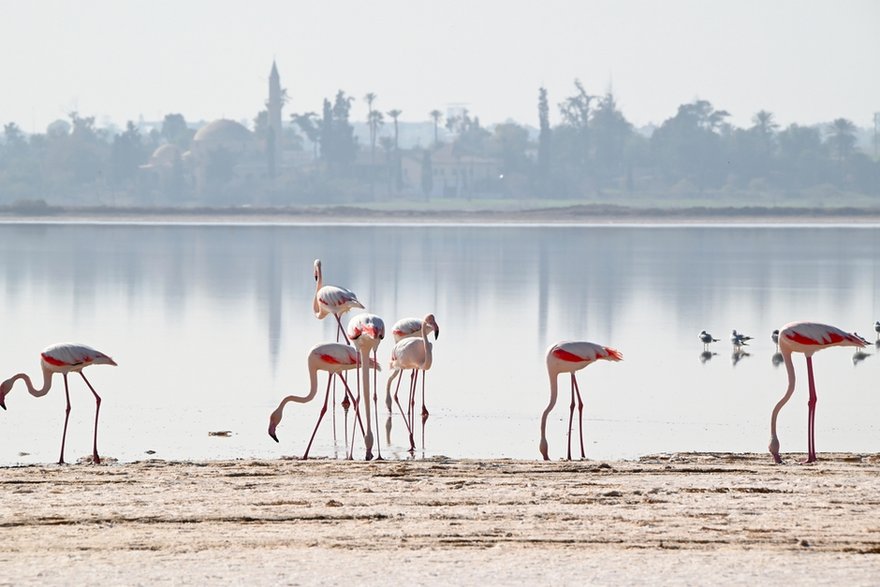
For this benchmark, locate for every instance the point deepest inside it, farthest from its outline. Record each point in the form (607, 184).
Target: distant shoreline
(576, 214)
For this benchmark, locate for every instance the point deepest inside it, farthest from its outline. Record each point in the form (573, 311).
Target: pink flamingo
(366, 331)
(63, 358)
(332, 357)
(416, 354)
(404, 328)
(570, 357)
(806, 338)
(330, 299)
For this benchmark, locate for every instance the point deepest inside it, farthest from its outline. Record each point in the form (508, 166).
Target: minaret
(276, 102)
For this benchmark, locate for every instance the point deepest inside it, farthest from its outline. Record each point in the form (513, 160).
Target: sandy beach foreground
(669, 519)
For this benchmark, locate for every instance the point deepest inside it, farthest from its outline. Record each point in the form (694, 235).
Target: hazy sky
(806, 61)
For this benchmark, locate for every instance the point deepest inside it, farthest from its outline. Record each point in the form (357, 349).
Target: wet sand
(669, 519)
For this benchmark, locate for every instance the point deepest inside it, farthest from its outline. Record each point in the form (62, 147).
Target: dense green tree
(175, 131)
(127, 153)
(689, 145)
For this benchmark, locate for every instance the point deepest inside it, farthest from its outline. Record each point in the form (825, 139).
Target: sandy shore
(679, 519)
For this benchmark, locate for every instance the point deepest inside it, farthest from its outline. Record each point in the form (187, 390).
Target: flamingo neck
(429, 348)
(554, 391)
(300, 399)
(789, 368)
(47, 383)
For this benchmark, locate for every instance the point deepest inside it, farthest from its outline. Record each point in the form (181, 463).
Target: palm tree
(842, 138)
(369, 98)
(395, 114)
(436, 115)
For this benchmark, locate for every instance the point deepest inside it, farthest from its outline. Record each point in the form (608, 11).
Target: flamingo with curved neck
(806, 338)
(366, 331)
(332, 357)
(571, 357)
(63, 358)
(416, 354)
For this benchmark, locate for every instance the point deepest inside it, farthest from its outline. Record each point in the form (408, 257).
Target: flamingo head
(274, 420)
(4, 389)
(432, 324)
(317, 269)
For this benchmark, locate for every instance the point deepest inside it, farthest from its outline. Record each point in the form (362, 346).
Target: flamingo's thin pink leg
(357, 401)
(397, 401)
(580, 413)
(95, 456)
(341, 330)
(811, 408)
(357, 413)
(376, 408)
(66, 417)
(425, 413)
(413, 383)
(570, 416)
(320, 416)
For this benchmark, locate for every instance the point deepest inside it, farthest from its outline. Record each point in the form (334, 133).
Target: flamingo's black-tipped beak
(436, 333)
(272, 435)
(2, 404)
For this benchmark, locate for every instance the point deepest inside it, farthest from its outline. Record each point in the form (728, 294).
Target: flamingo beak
(272, 434)
(436, 332)
(3, 403)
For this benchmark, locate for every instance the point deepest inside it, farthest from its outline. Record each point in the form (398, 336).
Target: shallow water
(211, 324)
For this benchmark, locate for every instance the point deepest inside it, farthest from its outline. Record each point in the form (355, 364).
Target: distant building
(273, 106)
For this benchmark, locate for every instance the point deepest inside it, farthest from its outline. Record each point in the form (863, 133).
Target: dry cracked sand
(684, 519)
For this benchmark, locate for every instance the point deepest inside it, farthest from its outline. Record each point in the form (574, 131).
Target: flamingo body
(570, 357)
(806, 338)
(63, 358)
(406, 328)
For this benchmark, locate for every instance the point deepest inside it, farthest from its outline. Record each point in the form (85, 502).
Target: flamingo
(570, 357)
(63, 358)
(806, 338)
(330, 299)
(366, 331)
(416, 354)
(774, 336)
(707, 339)
(332, 357)
(404, 328)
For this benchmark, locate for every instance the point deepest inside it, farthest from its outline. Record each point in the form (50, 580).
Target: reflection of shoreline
(580, 214)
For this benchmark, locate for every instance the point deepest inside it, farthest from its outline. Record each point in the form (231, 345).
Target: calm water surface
(211, 325)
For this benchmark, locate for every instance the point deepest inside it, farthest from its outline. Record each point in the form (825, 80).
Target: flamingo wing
(74, 355)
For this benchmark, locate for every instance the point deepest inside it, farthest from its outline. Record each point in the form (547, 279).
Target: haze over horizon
(806, 62)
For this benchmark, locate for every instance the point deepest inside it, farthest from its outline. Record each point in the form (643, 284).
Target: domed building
(221, 151)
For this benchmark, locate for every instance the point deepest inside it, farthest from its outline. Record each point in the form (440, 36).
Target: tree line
(593, 153)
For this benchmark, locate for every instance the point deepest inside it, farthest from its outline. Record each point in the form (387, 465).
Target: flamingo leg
(357, 402)
(414, 382)
(400, 407)
(425, 413)
(341, 330)
(376, 408)
(357, 413)
(320, 416)
(570, 416)
(95, 458)
(66, 417)
(580, 413)
(811, 409)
